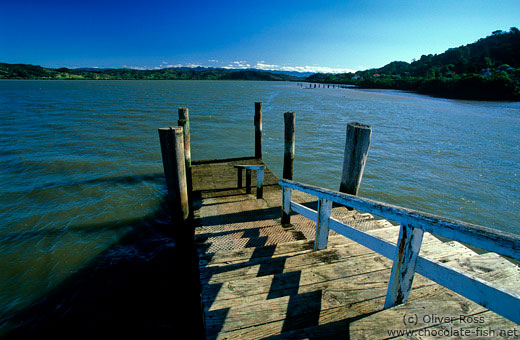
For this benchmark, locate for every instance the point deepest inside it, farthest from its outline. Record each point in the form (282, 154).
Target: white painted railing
(406, 253)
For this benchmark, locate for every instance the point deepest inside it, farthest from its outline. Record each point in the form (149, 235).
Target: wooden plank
(444, 252)
(390, 234)
(403, 269)
(332, 276)
(486, 263)
(322, 225)
(223, 243)
(337, 304)
(492, 326)
(349, 299)
(432, 248)
(286, 264)
(454, 318)
(245, 281)
(484, 293)
(252, 255)
(432, 306)
(481, 237)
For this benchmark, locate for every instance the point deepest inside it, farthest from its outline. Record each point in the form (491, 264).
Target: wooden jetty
(302, 262)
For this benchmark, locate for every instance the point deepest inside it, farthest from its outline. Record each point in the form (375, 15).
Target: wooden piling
(288, 156)
(172, 150)
(356, 150)
(184, 122)
(258, 130)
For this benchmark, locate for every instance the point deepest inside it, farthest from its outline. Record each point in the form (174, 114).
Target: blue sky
(293, 35)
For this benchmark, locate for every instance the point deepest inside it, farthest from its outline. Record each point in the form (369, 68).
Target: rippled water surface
(80, 161)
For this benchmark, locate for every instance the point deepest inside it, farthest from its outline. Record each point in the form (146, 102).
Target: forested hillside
(23, 71)
(488, 69)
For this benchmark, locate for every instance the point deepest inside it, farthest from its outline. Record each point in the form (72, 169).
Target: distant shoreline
(24, 71)
(498, 86)
(467, 87)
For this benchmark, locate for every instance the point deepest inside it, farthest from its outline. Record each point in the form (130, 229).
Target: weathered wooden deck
(263, 280)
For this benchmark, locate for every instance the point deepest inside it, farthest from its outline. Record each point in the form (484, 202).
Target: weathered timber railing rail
(406, 253)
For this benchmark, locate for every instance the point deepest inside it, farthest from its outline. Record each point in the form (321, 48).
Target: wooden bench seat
(259, 178)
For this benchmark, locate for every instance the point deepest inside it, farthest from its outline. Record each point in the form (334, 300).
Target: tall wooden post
(172, 149)
(184, 122)
(288, 155)
(356, 151)
(258, 130)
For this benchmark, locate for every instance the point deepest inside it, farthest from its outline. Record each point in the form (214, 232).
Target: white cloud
(135, 67)
(243, 64)
(314, 69)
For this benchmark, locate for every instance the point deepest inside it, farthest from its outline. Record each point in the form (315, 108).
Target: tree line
(488, 69)
(24, 71)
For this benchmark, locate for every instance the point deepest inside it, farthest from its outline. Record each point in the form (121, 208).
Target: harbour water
(80, 163)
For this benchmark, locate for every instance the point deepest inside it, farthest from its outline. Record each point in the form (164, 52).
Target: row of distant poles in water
(319, 85)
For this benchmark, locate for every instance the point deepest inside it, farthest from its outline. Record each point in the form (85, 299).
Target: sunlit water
(80, 161)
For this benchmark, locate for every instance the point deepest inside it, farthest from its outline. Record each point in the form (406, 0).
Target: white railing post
(322, 226)
(406, 253)
(259, 183)
(286, 205)
(403, 269)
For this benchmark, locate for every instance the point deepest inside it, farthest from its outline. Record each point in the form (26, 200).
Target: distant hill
(23, 71)
(488, 69)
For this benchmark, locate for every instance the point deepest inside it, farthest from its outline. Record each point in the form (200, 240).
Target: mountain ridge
(27, 71)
